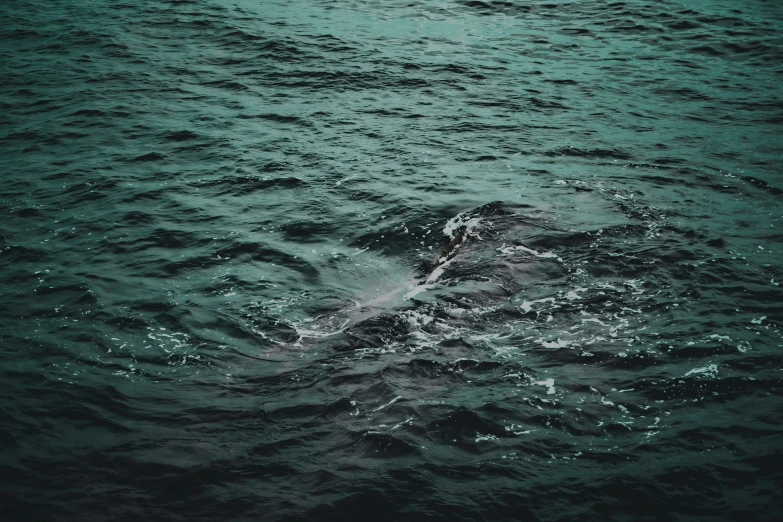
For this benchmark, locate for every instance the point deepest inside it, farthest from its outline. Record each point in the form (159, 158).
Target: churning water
(220, 224)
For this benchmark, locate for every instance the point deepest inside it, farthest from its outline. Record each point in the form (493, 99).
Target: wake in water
(484, 265)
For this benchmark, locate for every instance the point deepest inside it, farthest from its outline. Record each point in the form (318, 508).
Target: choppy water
(217, 222)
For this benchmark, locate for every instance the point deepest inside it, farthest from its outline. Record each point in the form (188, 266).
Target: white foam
(543, 255)
(316, 334)
(594, 320)
(480, 437)
(403, 423)
(559, 343)
(457, 222)
(417, 318)
(707, 371)
(516, 429)
(389, 403)
(526, 306)
(550, 384)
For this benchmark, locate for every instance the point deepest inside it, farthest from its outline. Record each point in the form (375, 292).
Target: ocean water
(220, 223)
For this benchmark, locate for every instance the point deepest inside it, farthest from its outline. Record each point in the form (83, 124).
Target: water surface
(218, 224)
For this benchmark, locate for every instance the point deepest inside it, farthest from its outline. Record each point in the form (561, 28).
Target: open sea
(391, 260)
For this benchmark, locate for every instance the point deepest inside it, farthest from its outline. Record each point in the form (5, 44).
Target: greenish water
(219, 224)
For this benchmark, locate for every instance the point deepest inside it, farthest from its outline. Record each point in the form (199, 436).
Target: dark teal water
(218, 224)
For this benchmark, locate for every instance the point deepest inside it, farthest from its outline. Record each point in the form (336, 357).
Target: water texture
(222, 297)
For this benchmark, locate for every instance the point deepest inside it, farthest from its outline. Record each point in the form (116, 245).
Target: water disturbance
(391, 260)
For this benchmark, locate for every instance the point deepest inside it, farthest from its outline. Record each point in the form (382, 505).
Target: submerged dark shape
(450, 250)
(490, 256)
(491, 242)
